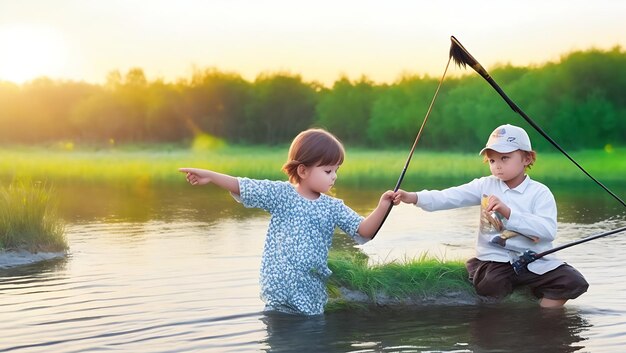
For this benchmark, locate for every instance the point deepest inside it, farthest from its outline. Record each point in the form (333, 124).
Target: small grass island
(30, 228)
(357, 285)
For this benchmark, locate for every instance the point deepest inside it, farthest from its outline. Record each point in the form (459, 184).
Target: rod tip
(458, 54)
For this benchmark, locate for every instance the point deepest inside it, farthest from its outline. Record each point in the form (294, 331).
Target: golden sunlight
(29, 52)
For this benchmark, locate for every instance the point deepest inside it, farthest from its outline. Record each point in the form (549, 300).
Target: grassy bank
(28, 219)
(362, 167)
(415, 282)
(412, 281)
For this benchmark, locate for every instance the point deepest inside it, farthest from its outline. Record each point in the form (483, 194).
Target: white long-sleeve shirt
(533, 213)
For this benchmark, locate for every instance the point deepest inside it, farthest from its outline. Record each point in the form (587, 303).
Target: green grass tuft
(28, 218)
(412, 280)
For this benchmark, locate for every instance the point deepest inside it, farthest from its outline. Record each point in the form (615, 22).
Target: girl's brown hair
(312, 147)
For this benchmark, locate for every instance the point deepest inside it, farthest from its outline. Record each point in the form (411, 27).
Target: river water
(175, 269)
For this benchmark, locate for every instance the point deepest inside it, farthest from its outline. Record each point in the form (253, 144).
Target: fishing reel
(520, 265)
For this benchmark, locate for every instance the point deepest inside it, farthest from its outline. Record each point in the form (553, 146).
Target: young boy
(517, 213)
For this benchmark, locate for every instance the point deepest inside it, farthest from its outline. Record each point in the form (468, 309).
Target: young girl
(294, 266)
(517, 213)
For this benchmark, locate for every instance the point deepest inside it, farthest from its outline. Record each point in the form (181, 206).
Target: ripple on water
(191, 286)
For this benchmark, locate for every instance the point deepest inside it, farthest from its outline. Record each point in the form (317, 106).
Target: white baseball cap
(508, 138)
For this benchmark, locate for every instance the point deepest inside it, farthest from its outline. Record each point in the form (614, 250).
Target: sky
(320, 40)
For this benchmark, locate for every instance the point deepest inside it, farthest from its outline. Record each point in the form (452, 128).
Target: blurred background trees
(579, 101)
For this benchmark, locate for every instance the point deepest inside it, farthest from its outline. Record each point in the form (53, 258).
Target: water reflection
(527, 329)
(111, 204)
(285, 332)
(175, 269)
(588, 203)
(576, 203)
(436, 328)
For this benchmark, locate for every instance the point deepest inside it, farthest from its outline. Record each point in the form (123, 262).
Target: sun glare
(28, 52)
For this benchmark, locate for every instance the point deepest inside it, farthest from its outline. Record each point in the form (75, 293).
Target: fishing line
(462, 57)
(419, 134)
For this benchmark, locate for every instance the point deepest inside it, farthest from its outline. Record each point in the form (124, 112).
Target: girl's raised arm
(203, 176)
(370, 224)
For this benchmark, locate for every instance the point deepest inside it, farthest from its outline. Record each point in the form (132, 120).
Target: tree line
(579, 101)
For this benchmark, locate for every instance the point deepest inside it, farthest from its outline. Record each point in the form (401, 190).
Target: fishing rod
(462, 57)
(520, 265)
(419, 134)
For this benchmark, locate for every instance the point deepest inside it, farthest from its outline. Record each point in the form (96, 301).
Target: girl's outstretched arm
(370, 224)
(203, 176)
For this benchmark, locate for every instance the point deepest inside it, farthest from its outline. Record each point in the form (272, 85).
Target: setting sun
(29, 52)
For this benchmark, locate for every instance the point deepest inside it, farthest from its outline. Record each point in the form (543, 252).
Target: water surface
(175, 269)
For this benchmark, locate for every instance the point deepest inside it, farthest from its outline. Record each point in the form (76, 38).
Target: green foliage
(357, 285)
(578, 101)
(213, 102)
(346, 109)
(28, 218)
(141, 165)
(399, 110)
(424, 278)
(279, 108)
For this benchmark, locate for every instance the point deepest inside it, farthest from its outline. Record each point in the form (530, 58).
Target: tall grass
(412, 282)
(420, 279)
(28, 218)
(361, 167)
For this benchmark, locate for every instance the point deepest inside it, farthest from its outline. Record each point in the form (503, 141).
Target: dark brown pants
(498, 279)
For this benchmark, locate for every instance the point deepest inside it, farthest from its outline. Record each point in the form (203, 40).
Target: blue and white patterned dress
(294, 267)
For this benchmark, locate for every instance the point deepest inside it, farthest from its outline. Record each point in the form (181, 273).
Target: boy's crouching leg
(490, 279)
(562, 283)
